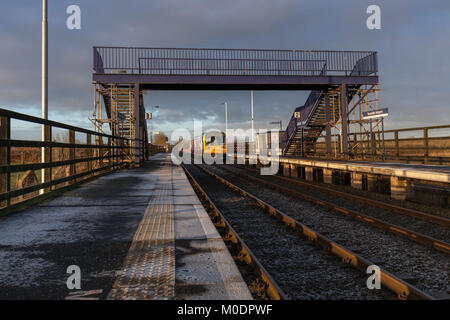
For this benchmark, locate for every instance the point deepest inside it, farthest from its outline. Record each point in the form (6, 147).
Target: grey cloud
(413, 51)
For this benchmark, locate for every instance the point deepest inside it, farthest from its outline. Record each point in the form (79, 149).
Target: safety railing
(31, 169)
(305, 111)
(190, 61)
(430, 145)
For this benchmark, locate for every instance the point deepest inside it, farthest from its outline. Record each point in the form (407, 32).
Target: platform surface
(176, 251)
(432, 173)
(135, 234)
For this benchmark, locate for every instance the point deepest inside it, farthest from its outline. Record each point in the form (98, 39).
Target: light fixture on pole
(226, 116)
(150, 116)
(44, 83)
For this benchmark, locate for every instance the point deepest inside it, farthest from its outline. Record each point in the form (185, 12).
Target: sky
(413, 47)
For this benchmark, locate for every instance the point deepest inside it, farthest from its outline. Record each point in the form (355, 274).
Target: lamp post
(151, 122)
(251, 107)
(44, 83)
(226, 116)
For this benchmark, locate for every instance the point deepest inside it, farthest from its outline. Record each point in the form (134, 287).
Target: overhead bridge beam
(230, 82)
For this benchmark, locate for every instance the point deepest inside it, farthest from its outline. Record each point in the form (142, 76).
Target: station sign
(376, 113)
(297, 115)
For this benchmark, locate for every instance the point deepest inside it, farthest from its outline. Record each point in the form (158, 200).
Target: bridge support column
(356, 180)
(286, 170)
(294, 171)
(309, 176)
(344, 119)
(400, 187)
(137, 127)
(328, 176)
(327, 126)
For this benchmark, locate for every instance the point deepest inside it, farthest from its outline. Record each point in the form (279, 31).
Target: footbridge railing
(191, 61)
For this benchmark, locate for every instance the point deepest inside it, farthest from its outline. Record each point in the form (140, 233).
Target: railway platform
(405, 181)
(136, 234)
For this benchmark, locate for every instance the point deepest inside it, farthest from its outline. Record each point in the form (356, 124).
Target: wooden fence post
(90, 152)
(119, 152)
(5, 158)
(397, 148)
(73, 167)
(110, 159)
(425, 142)
(100, 151)
(355, 145)
(47, 156)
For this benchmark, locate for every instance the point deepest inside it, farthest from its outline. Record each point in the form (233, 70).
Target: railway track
(298, 267)
(428, 217)
(400, 226)
(427, 269)
(263, 285)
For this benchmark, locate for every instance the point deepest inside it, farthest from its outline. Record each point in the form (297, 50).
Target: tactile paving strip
(149, 268)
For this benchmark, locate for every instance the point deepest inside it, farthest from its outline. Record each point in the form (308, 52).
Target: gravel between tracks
(427, 228)
(425, 268)
(302, 270)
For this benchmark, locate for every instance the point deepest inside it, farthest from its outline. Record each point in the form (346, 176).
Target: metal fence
(79, 161)
(428, 145)
(189, 61)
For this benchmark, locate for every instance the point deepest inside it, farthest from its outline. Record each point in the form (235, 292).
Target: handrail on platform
(83, 161)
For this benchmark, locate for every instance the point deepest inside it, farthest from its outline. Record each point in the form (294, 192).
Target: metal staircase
(302, 132)
(119, 107)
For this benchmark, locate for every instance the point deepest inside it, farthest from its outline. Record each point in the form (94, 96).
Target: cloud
(412, 44)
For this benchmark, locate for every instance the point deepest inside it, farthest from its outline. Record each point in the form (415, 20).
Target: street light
(251, 106)
(151, 122)
(226, 116)
(44, 84)
(277, 122)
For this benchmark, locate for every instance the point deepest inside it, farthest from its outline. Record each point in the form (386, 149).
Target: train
(208, 144)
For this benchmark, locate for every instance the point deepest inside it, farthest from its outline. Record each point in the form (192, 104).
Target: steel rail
(266, 283)
(403, 289)
(428, 217)
(397, 230)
